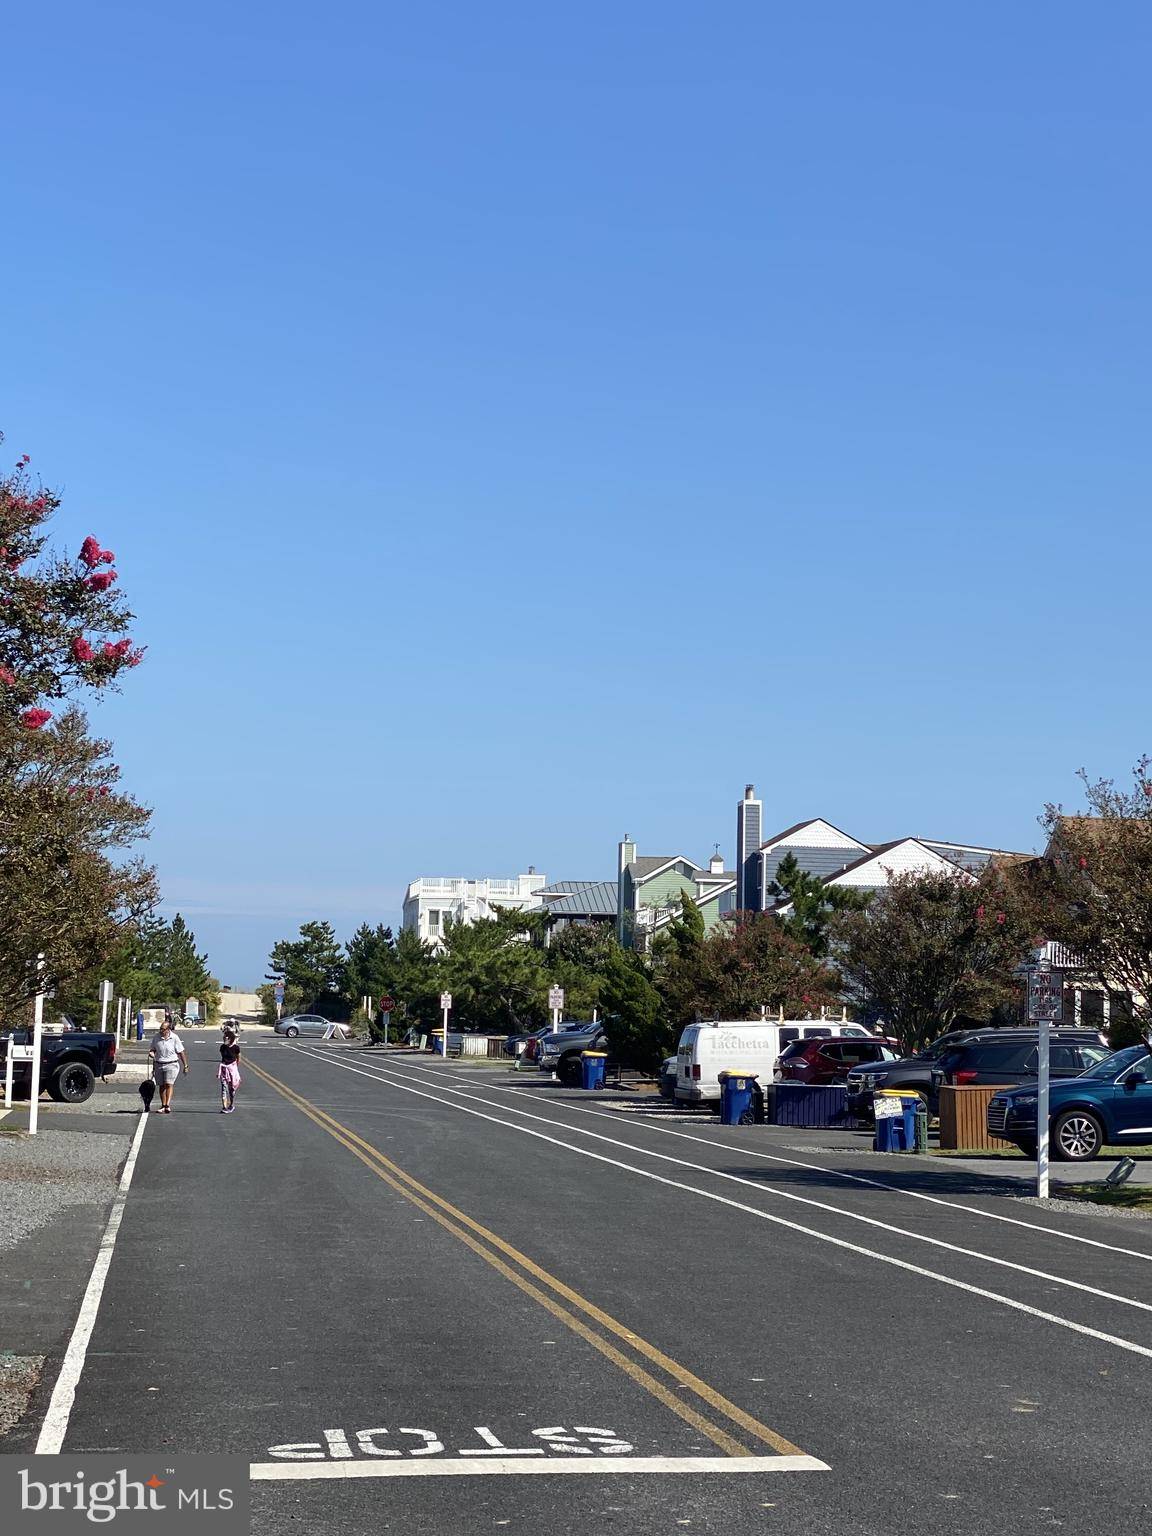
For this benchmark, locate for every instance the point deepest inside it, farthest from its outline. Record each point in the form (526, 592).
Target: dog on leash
(147, 1090)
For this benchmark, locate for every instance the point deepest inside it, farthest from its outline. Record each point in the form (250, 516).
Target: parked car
(309, 1024)
(742, 1045)
(1110, 1104)
(559, 1050)
(829, 1061)
(668, 1078)
(515, 1044)
(966, 1057)
(70, 1062)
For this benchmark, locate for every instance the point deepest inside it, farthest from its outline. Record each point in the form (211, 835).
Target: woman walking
(168, 1057)
(229, 1072)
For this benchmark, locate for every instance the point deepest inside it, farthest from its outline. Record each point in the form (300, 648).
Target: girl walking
(229, 1072)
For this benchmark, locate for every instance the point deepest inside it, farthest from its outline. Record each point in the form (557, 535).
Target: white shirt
(167, 1051)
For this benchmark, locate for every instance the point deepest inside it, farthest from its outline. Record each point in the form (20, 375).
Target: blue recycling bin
(593, 1065)
(896, 1133)
(737, 1098)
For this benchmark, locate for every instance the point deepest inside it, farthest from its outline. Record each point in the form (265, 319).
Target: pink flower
(25, 458)
(103, 789)
(980, 914)
(101, 581)
(81, 650)
(7, 676)
(90, 552)
(107, 557)
(117, 651)
(33, 719)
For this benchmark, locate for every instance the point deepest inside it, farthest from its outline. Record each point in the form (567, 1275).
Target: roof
(874, 855)
(812, 821)
(581, 898)
(649, 864)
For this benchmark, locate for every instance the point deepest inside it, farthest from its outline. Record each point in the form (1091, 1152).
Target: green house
(651, 887)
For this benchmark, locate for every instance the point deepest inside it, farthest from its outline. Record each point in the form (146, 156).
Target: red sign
(387, 1004)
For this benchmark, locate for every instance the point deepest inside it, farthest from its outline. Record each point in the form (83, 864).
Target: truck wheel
(72, 1083)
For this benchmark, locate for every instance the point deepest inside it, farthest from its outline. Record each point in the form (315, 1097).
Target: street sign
(387, 1004)
(106, 990)
(556, 998)
(279, 992)
(445, 1000)
(1045, 994)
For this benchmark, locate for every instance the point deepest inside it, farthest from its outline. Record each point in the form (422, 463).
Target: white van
(741, 1045)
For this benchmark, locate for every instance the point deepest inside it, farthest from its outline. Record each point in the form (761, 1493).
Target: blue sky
(520, 425)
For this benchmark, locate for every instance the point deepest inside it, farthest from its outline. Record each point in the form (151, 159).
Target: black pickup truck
(70, 1062)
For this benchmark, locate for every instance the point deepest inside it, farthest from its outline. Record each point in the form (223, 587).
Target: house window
(433, 920)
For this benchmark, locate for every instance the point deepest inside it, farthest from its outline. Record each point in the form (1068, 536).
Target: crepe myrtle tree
(66, 886)
(934, 949)
(1097, 884)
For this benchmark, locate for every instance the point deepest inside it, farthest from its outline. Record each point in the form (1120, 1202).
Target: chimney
(749, 836)
(627, 854)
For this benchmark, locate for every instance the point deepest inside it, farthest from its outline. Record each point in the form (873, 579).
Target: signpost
(37, 1037)
(106, 990)
(278, 994)
(446, 1005)
(556, 1003)
(1045, 1008)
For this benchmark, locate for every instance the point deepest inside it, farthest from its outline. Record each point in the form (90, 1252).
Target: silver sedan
(309, 1024)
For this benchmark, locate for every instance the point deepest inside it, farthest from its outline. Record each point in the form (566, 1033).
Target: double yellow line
(536, 1282)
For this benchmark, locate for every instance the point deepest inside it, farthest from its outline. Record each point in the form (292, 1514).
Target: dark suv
(829, 1061)
(974, 1056)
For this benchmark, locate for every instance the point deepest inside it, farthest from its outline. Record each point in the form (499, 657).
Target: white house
(432, 901)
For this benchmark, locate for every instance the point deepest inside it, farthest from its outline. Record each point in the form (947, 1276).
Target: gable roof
(648, 865)
(822, 834)
(916, 855)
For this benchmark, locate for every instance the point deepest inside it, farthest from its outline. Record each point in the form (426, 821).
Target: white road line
(820, 1205)
(839, 1173)
(472, 1466)
(762, 1215)
(55, 1425)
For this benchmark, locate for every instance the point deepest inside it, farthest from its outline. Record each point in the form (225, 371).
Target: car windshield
(1118, 1062)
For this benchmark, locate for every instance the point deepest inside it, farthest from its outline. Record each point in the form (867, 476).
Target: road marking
(792, 1162)
(468, 1231)
(762, 1215)
(55, 1425)
(472, 1466)
(782, 1194)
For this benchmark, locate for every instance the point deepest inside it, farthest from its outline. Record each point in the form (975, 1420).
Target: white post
(103, 1012)
(1042, 1115)
(37, 1038)
(445, 1034)
(8, 1075)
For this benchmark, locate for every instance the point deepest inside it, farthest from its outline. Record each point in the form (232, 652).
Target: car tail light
(112, 1051)
(696, 1070)
(962, 1079)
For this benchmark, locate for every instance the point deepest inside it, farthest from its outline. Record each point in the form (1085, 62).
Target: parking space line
(826, 1237)
(820, 1205)
(472, 1466)
(839, 1173)
(456, 1221)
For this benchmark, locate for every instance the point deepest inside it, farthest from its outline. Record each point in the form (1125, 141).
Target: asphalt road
(422, 1300)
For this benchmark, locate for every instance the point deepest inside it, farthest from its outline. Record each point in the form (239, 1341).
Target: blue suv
(1109, 1104)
